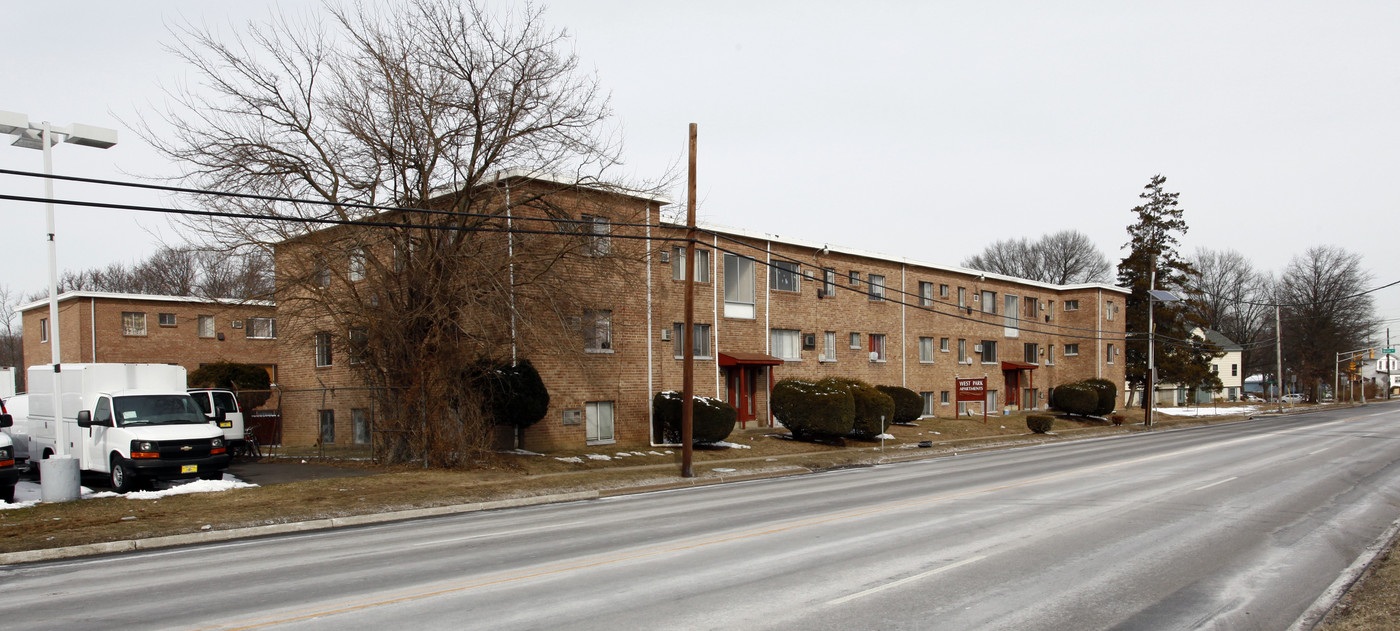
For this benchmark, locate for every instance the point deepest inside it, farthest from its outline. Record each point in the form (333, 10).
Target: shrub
(1117, 419)
(1039, 423)
(908, 405)
(1108, 395)
(808, 409)
(874, 410)
(234, 376)
(516, 395)
(1077, 398)
(711, 420)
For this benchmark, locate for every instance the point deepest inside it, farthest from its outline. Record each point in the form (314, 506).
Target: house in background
(1229, 368)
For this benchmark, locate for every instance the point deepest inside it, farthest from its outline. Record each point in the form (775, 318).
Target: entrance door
(740, 386)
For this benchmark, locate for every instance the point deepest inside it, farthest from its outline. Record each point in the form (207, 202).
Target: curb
(1332, 596)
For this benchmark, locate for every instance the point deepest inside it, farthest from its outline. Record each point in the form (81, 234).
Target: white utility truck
(133, 422)
(9, 473)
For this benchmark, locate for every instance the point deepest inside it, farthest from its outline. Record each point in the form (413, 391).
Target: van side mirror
(6, 420)
(84, 418)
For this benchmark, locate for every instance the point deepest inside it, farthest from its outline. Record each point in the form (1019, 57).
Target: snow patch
(730, 445)
(597, 457)
(885, 437)
(1208, 411)
(573, 459)
(197, 486)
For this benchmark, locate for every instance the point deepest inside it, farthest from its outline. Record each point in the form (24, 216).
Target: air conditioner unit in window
(666, 335)
(809, 341)
(976, 348)
(665, 256)
(874, 356)
(237, 324)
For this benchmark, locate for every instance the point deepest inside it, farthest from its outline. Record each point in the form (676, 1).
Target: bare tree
(416, 107)
(1325, 312)
(1230, 296)
(1063, 258)
(11, 333)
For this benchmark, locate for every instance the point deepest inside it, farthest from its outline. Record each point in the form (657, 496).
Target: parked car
(1293, 398)
(1253, 399)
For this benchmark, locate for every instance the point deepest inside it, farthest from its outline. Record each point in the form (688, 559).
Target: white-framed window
(206, 326)
(877, 347)
(359, 425)
(358, 343)
(1108, 310)
(1071, 350)
(133, 323)
(327, 426)
(787, 344)
(597, 331)
(322, 278)
(989, 352)
(855, 341)
(829, 348)
(784, 276)
(1109, 351)
(855, 278)
(1234, 370)
(989, 302)
(1011, 318)
(599, 243)
(165, 319)
(323, 349)
(942, 291)
(877, 287)
(261, 329)
(738, 287)
(598, 422)
(1215, 369)
(1049, 354)
(1071, 305)
(962, 296)
(828, 282)
(927, 398)
(943, 397)
(1032, 353)
(702, 264)
(942, 344)
(925, 294)
(701, 338)
(926, 350)
(356, 271)
(43, 330)
(962, 351)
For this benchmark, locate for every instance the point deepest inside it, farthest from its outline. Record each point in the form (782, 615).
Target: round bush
(1108, 395)
(517, 395)
(908, 405)
(711, 420)
(808, 409)
(1039, 423)
(251, 382)
(1076, 398)
(874, 410)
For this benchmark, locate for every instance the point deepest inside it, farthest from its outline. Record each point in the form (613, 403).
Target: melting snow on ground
(729, 445)
(30, 493)
(885, 437)
(574, 459)
(1209, 411)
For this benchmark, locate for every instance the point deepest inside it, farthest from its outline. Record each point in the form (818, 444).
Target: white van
(134, 422)
(213, 401)
(18, 408)
(9, 473)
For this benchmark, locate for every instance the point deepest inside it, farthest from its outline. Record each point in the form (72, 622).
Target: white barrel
(59, 479)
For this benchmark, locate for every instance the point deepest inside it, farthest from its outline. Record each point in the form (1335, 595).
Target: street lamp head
(90, 136)
(13, 122)
(28, 139)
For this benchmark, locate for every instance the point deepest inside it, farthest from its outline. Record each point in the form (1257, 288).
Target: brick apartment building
(134, 328)
(766, 309)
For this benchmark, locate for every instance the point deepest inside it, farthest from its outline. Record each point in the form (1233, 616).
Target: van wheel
(124, 479)
(7, 494)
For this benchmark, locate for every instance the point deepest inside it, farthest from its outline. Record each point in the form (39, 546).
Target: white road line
(1314, 453)
(436, 542)
(845, 599)
(1202, 488)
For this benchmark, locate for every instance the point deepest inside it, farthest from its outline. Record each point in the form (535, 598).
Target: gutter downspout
(651, 386)
(903, 330)
(92, 326)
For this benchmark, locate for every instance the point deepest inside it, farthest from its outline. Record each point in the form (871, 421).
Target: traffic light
(1373, 353)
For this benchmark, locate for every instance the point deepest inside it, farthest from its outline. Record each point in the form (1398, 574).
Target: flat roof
(73, 295)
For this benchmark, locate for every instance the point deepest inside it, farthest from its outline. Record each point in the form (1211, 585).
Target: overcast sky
(919, 129)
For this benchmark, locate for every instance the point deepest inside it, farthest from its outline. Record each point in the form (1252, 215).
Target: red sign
(972, 389)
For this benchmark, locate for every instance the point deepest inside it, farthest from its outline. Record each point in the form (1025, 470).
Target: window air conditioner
(665, 256)
(976, 348)
(666, 335)
(874, 356)
(237, 324)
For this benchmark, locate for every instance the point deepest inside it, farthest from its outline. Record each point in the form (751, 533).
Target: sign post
(972, 390)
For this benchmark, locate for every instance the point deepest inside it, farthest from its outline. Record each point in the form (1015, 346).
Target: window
(599, 244)
(598, 421)
(989, 352)
(1049, 309)
(322, 278)
(1109, 350)
(962, 296)
(738, 287)
(1214, 369)
(783, 276)
(359, 425)
(1028, 311)
(359, 341)
(962, 352)
(877, 347)
(701, 340)
(1108, 310)
(327, 427)
(828, 282)
(1071, 350)
(926, 350)
(855, 278)
(133, 323)
(877, 287)
(1234, 370)
(356, 270)
(1049, 354)
(206, 326)
(702, 264)
(855, 341)
(1032, 353)
(989, 302)
(942, 291)
(1012, 318)
(787, 344)
(943, 345)
(165, 319)
(43, 330)
(261, 328)
(323, 349)
(829, 349)
(943, 397)
(1071, 305)
(925, 294)
(928, 403)
(597, 331)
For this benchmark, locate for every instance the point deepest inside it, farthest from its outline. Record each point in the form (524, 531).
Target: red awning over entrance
(1018, 366)
(748, 359)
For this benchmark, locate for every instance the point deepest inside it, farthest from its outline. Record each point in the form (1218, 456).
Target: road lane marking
(1314, 453)
(494, 534)
(874, 590)
(1202, 488)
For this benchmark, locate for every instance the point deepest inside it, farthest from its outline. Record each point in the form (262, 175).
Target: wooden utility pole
(688, 329)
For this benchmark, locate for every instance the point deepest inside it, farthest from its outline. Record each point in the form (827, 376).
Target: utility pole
(687, 331)
(1147, 392)
(1278, 357)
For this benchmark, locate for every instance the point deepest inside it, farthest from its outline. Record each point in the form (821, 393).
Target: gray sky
(921, 129)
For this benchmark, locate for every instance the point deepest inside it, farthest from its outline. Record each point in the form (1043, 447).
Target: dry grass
(502, 476)
(1373, 604)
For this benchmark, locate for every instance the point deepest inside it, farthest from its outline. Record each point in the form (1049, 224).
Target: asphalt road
(1238, 526)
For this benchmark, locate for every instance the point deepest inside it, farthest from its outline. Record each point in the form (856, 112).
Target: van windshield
(156, 409)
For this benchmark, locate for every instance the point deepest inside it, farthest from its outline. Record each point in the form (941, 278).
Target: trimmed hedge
(516, 395)
(808, 409)
(1108, 395)
(908, 405)
(234, 376)
(711, 420)
(1039, 423)
(1079, 399)
(874, 410)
